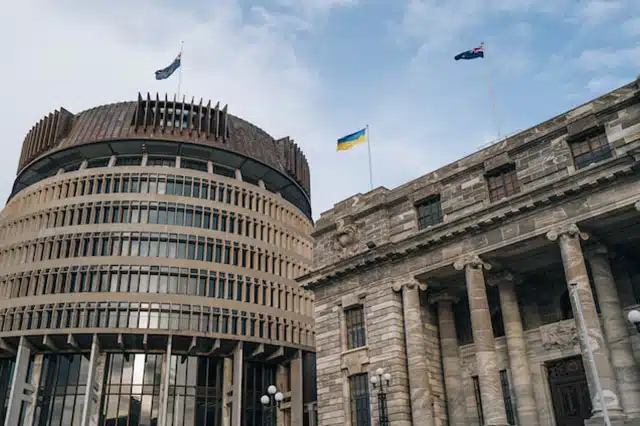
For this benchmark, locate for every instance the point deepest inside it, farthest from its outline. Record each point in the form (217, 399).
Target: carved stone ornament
(570, 230)
(469, 365)
(443, 296)
(346, 236)
(472, 260)
(355, 362)
(560, 335)
(410, 284)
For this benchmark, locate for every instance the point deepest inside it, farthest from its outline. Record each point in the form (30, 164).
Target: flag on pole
(476, 52)
(165, 73)
(349, 141)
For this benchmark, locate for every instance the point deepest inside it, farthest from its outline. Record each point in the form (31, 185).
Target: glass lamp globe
(264, 399)
(380, 371)
(279, 396)
(386, 376)
(634, 317)
(272, 390)
(374, 379)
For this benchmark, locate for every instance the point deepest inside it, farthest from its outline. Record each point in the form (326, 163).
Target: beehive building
(149, 251)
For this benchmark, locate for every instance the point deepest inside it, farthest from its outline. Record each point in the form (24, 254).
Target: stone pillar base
(599, 421)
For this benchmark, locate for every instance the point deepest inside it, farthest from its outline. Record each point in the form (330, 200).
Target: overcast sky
(316, 70)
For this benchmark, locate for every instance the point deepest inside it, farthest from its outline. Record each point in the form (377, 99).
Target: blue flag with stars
(165, 73)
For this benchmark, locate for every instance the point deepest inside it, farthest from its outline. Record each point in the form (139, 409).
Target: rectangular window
(429, 212)
(591, 150)
(129, 161)
(476, 392)
(161, 161)
(359, 391)
(193, 165)
(503, 182)
(355, 327)
(506, 394)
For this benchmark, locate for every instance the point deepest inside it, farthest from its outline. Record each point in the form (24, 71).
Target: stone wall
(541, 156)
(369, 241)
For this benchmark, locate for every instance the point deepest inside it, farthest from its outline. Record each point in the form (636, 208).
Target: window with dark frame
(429, 212)
(193, 165)
(355, 327)
(503, 182)
(161, 161)
(359, 389)
(506, 394)
(476, 393)
(134, 160)
(593, 149)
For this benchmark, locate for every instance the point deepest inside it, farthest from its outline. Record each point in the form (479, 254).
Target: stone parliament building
(464, 284)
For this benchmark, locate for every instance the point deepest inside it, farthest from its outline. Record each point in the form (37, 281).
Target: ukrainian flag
(352, 140)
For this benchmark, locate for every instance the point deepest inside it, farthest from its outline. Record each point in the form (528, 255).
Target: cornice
(525, 203)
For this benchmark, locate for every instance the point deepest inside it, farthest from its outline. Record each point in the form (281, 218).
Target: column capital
(472, 261)
(570, 230)
(497, 278)
(409, 284)
(443, 296)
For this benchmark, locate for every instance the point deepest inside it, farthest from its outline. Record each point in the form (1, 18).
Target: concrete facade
(469, 280)
(149, 252)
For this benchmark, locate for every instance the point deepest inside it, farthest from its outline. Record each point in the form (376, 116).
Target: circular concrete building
(149, 252)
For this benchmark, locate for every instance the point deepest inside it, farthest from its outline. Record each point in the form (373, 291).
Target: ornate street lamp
(380, 382)
(270, 404)
(634, 318)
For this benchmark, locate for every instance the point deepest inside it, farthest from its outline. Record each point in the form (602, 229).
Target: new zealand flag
(166, 72)
(476, 52)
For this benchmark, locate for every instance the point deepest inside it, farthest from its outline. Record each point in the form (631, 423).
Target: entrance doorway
(569, 391)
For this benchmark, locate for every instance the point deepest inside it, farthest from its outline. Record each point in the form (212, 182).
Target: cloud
(605, 83)
(609, 59)
(596, 11)
(77, 56)
(437, 23)
(281, 65)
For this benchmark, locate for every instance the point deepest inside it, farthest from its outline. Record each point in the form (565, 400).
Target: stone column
(616, 331)
(93, 394)
(518, 362)
(450, 358)
(238, 366)
(420, 394)
(575, 270)
(483, 339)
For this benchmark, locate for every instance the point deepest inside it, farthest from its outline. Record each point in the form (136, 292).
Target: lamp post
(380, 382)
(634, 318)
(270, 404)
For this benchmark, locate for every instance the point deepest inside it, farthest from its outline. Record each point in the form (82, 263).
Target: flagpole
(369, 149)
(492, 95)
(180, 69)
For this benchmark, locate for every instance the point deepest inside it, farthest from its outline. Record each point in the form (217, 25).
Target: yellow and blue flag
(352, 140)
